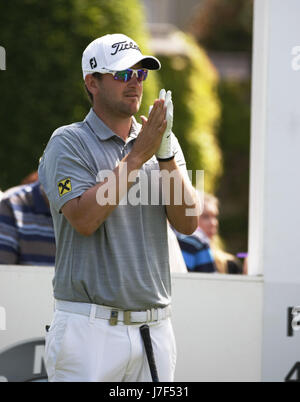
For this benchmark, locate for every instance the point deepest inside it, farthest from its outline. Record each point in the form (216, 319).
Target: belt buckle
(127, 317)
(152, 315)
(113, 317)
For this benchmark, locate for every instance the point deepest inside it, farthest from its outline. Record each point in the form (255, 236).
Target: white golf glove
(165, 151)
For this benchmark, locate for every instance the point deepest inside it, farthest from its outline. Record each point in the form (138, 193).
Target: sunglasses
(126, 75)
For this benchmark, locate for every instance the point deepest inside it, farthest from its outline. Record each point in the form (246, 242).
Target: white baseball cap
(115, 52)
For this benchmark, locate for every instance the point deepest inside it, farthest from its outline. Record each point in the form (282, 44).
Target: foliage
(234, 137)
(42, 87)
(193, 81)
(224, 25)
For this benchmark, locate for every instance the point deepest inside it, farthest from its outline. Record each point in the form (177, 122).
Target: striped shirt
(26, 228)
(196, 252)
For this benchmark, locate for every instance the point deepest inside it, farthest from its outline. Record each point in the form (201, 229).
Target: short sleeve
(64, 170)
(179, 157)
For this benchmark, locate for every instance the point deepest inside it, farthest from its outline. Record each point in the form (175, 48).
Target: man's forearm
(87, 212)
(180, 197)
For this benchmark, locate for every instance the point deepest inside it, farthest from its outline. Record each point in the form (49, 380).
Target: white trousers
(85, 349)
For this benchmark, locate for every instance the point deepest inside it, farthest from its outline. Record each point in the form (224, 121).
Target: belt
(114, 315)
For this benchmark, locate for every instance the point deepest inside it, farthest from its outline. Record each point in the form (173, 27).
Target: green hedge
(234, 137)
(193, 81)
(42, 87)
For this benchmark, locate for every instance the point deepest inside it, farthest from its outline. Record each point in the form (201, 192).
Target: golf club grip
(145, 334)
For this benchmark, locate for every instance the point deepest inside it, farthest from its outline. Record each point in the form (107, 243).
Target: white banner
(217, 322)
(274, 219)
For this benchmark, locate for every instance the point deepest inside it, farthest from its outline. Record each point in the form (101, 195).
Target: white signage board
(217, 321)
(274, 217)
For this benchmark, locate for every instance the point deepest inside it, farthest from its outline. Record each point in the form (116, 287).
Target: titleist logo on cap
(119, 46)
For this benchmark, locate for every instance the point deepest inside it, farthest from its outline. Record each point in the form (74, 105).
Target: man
(195, 248)
(112, 270)
(26, 228)
(196, 252)
(209, 226)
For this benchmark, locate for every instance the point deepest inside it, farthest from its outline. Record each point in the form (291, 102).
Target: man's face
(122, 99)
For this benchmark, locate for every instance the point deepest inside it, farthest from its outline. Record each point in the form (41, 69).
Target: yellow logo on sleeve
(64, 186)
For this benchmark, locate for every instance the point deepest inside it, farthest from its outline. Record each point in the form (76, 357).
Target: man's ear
(91, 83)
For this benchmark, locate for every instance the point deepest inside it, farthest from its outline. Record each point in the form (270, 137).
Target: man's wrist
(133, 160)
(167, 164)
(165, 159)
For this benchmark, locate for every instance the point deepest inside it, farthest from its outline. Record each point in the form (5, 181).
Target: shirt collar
(135, 128)
(39, 202)
(104, 132)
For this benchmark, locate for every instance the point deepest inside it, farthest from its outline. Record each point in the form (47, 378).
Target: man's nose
(134, 80)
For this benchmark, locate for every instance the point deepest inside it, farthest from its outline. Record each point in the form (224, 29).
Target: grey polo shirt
(125, 262)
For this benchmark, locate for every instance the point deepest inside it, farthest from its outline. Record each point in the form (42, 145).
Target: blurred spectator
(26, 228)
(245, 266)
(209, 224)
(196, 251)
(1, 194)
(203, 251)
(31, 178)
(244, 260)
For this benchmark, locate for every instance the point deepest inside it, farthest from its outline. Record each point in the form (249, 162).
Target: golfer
(112, 270)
